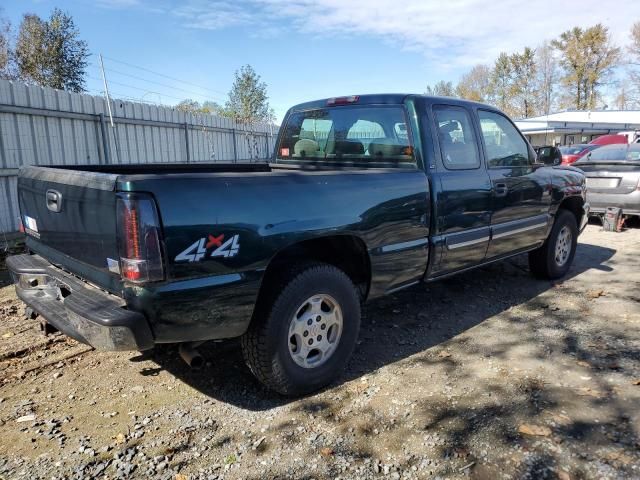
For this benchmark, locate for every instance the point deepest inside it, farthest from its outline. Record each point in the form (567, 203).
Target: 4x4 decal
(198, 249)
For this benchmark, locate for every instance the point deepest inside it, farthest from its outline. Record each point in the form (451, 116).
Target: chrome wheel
(315, 330)
(564, 243)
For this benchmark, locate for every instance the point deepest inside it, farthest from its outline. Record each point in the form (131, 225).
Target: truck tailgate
(71, 212)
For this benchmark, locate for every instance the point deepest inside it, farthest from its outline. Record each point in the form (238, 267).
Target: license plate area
(603, 182)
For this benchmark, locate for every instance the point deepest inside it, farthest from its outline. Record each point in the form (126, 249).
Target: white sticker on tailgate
(31, 226)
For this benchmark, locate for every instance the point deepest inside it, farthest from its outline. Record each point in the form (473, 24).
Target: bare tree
(634, 65)
(546, 78)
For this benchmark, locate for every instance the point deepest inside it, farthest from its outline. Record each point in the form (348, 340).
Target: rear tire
(554, 258)
(303, 335)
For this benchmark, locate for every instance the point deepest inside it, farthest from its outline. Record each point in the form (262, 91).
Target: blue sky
(306, 49)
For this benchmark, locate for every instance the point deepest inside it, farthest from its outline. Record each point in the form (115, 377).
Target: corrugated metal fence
(42, 126)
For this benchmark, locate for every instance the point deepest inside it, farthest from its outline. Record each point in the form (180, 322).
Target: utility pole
(106, 91)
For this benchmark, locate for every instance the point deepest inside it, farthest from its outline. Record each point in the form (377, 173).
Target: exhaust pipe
(189, 353)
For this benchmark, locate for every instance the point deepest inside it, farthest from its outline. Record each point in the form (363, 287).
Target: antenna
(106, 90)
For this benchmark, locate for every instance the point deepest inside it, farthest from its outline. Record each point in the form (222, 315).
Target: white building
(577, 126)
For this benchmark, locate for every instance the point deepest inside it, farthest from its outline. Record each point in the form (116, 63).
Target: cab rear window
(374, 136)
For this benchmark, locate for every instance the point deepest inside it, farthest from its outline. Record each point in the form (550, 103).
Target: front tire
(554, 258)
(303, 335)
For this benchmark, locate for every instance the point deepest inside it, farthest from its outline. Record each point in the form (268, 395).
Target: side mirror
(549, 156)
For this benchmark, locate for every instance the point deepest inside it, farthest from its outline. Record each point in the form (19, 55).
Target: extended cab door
(520, 194)
(463, 191)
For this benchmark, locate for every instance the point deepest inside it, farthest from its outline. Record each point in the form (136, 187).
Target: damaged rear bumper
(77, 309)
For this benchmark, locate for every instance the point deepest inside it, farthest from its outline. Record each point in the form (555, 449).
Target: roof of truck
(382, 99)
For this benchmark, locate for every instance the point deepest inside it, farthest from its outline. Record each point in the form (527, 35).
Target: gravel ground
(488, 375)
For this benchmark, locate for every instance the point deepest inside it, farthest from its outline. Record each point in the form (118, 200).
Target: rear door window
(457, 140)
(351, 135)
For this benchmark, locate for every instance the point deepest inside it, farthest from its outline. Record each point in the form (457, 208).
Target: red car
(572, 153)
(612, 139)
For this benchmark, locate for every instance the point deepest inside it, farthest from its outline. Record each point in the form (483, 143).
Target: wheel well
(346, 252)
(574, 205)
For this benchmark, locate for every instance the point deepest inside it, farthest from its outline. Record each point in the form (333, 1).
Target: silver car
(613, 178)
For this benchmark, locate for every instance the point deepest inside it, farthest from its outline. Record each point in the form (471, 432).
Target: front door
(520, 193)
(463, 190)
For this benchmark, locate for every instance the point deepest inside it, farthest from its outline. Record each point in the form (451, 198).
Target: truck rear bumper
(77, 309)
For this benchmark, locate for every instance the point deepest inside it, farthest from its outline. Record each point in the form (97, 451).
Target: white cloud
(453, 33)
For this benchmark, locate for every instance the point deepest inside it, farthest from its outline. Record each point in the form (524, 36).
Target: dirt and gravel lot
(488, 375)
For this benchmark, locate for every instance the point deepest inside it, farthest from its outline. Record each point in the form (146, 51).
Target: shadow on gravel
(393, 328)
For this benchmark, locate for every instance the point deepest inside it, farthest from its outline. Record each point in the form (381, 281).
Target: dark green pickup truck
(365, 195)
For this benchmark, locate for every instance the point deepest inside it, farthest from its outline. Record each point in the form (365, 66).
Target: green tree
(207, 107)
(213, 108)
(30, 50)
(441, 89)
(501, 83)
(189, 106)
(67, 53)
(50, 53)
(6, 55)
(248, 102)
(524, 89)
(474, 85)
(587, 58)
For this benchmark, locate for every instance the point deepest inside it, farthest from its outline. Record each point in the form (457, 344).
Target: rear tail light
(139, 237)
(21, 226)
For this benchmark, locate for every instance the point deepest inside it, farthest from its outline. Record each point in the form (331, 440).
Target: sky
(163, 51)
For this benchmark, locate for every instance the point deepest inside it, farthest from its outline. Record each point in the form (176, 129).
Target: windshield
(613, 153)
(369, 135)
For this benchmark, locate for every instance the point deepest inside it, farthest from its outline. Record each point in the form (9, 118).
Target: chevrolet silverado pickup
(364, 196)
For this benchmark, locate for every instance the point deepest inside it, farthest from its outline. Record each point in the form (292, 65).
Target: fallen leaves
(593, 294)
(326, 451)
(559, 418)
(562, 475)
(536, 430)
(590, 392)
(620, 457)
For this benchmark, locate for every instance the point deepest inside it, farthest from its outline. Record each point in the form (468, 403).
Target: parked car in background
(613, 139)
(613, 178)
(571, 153)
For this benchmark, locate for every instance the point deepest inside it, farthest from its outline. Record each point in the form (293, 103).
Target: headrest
(384, 150)
(305, 147)
(449, 127)
(347, 147)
